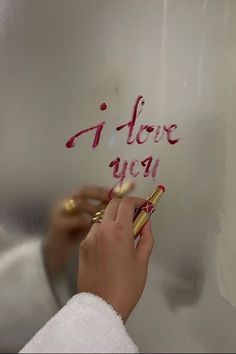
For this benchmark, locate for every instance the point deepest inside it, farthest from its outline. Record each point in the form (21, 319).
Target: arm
(114, 271)
(87, 324)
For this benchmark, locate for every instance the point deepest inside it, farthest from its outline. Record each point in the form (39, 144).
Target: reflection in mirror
(101, 100)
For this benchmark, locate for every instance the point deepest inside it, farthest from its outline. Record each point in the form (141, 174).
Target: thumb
(146, 242)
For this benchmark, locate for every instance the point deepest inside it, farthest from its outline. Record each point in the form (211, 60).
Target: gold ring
(70, 206)
(100, 213)
(96, 220)
(98, 216)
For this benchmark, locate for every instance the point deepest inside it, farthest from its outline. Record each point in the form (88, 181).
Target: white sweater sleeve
(87, 324)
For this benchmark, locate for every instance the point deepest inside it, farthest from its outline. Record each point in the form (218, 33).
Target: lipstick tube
(144, 213)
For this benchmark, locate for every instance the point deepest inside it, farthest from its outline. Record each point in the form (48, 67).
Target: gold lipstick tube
(144, 213)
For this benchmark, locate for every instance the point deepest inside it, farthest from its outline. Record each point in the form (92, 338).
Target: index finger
(97, 193)
(127, 208)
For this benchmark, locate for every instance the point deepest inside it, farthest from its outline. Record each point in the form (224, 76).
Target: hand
(66, 230)
(109, 264)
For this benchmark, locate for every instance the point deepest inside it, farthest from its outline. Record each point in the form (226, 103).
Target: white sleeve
(26, 299)
(86, 324)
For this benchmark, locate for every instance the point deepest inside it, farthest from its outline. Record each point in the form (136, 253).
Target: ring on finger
(70, 206)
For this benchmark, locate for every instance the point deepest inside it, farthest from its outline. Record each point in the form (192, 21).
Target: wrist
(121, 308)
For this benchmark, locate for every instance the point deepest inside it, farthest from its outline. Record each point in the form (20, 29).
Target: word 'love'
(142, 135)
